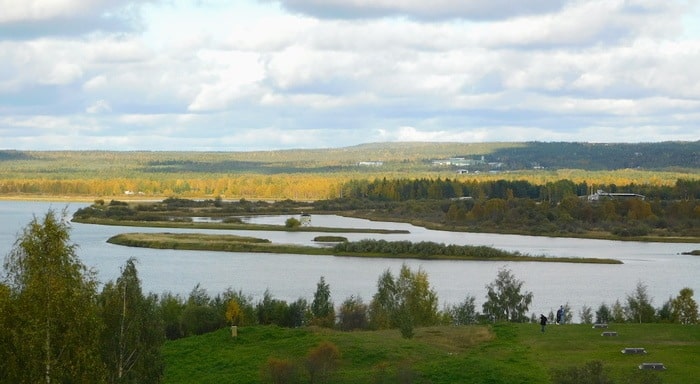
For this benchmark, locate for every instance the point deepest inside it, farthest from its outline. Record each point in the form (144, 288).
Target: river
(660, 266)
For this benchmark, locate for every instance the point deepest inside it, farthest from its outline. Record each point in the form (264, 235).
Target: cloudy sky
(275, 74)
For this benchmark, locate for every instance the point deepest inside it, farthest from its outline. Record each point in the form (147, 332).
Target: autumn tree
(133, 333)
(56, 329)
(504, 299)
(684, 309)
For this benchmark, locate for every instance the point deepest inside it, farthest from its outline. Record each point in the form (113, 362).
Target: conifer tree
(322, 310)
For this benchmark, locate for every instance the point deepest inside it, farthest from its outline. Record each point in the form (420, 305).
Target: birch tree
(133, 333)
(504, 299)
(56, 332)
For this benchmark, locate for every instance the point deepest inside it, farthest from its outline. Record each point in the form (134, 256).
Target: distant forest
(393, 156)
(600, 156)
(313, 174)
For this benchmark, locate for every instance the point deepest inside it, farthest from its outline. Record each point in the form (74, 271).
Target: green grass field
(503, 353)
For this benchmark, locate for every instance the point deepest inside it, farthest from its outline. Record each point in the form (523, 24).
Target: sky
(214, 75)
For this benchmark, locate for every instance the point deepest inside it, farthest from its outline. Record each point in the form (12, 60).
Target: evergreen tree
(322, 310)
(603, 315)
(56, 330)
(133, 333)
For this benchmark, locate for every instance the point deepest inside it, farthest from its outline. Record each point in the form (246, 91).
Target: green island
(231, 226)
(363, 248)
(498, 353)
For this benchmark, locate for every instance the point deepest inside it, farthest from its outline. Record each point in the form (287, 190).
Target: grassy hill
(502, 353)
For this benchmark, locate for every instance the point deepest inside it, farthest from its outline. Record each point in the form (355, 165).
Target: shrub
(280, 371)
(292, 223)
(322, 361)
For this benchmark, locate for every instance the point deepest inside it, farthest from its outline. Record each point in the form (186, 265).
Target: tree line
(404, 189)
(521, 207)
(55, 325)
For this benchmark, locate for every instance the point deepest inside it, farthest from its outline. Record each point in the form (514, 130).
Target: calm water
(658, 265)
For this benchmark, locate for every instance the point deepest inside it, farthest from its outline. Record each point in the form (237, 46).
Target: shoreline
(422, 224)
(233, 244)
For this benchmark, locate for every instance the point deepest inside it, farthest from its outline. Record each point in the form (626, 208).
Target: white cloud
(308, 73)
(99, 106)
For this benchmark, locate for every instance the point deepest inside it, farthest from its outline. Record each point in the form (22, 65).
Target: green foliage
(504, 299)
(586, 315)
(322, 309)
(465, 312)
(403, 302)
(292, 223)
(199, 319)
(133, 332)
(54, 322)
(246, 314)
(603, 315)
(501, 353)
(424, 249)
(639, 308)
(170, 307)
(618, 312)
(684, 309)
(353, 314)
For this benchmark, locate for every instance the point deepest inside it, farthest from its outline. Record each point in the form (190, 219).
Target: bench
(654, 366)
(609, 333)
(634, 351)
(600, 325)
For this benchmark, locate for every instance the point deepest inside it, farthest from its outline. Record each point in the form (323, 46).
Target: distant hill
(600, 156)
(548, 155)
(392, 156)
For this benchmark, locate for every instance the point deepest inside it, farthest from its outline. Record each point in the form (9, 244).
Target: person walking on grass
(543, 321)
(560, 315)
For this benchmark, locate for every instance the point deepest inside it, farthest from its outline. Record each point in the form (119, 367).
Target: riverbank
(591, 235)
(232, 243)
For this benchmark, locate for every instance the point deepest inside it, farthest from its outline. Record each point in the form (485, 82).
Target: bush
(353, 314)
(280, 371)
(197, 320)
(322, 361)
(292, 223)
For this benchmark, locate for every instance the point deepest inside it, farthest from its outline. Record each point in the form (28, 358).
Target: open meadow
(500, 353)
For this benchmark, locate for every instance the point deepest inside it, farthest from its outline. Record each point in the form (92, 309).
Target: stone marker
(634, 351)
(600, 325)
(609, 333)
(654, 366)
